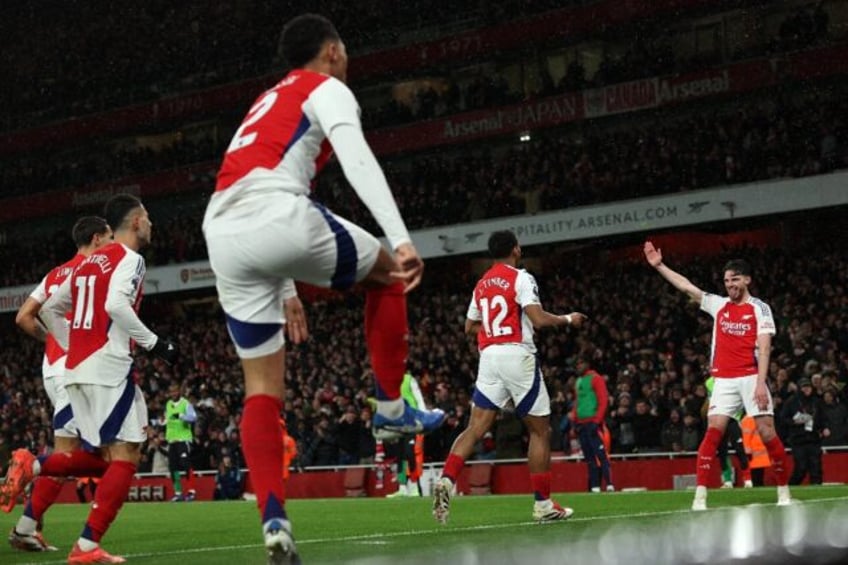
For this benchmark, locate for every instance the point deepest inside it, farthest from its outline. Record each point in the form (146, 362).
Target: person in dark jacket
(803, 415)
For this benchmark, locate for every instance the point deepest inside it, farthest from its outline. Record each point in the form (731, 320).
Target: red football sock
(76, 463)
(706, 455)
(262, 444)
(453, 467)
(387, 333)
(777, 454)
(45, 491)
(110, 496)
(541, 483)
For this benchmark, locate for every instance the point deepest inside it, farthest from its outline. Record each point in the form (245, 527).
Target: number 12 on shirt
(499, 308)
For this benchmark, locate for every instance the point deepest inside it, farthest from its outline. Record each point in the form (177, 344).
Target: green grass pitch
(396, 530)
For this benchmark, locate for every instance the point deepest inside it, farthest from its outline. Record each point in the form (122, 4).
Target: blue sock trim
(273, 509)
(88, 534)
(28, 510)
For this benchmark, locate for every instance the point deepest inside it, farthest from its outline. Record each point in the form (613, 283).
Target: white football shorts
(509, 373)
(261, 239)
(730, 395)
(64, 424)
(109, 414)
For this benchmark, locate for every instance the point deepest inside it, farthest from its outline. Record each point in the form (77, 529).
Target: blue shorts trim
(64, 416)
(344, 276)
(248, 335)
(112, 426)
(480, 400)
(529, 399)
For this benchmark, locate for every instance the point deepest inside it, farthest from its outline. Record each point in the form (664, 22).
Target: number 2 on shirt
(498, 307)
(242, 139)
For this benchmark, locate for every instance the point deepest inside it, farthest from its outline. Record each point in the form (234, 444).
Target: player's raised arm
(678, 281)
(53, 312)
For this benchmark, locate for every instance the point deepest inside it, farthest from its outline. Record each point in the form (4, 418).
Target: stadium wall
(655, 472)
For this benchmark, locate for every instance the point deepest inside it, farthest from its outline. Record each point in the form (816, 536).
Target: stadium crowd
(654, 356)
(800, 134)
(188, 45)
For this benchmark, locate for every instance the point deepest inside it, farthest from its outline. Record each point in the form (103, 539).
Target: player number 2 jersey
(54, 356)
(498, 304)
(735, 332)
(282, 142)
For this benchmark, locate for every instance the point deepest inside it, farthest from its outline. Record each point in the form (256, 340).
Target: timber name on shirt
(735, 331)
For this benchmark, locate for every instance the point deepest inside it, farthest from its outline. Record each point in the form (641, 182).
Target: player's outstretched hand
(166, 350)
(296, 327)
(410, 266)
(653, 255)
(577, 319)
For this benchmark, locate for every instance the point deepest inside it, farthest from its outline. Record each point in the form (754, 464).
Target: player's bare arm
(472, 326)
(540, 318)
(761, 395)
(410, 266)
(678, 281)
(27, 319)
(296, 327)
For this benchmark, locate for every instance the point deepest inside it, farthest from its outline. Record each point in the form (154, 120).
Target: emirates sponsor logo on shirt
(735, 328)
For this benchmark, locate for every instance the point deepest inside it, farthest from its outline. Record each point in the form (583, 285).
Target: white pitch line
(405, 533)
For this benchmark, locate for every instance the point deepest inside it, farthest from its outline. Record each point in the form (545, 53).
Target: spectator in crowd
(228, 481)
(835, 419)
(646, 427)
(348, 431)
(804, 417)
(671, 433)
(324, 448)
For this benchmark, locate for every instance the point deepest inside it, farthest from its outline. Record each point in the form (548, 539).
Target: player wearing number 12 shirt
(102, 294)
(263, 231)
(503, 313)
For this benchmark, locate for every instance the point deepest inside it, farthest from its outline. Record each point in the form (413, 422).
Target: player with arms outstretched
(103, 294)
(263, 232)
(504, 310)
(741, 349)
(89, 233)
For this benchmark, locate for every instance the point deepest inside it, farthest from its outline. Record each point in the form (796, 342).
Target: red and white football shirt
(103, 295)
(54, 356)
(498, 304)
(735, 331)
(282, 142)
